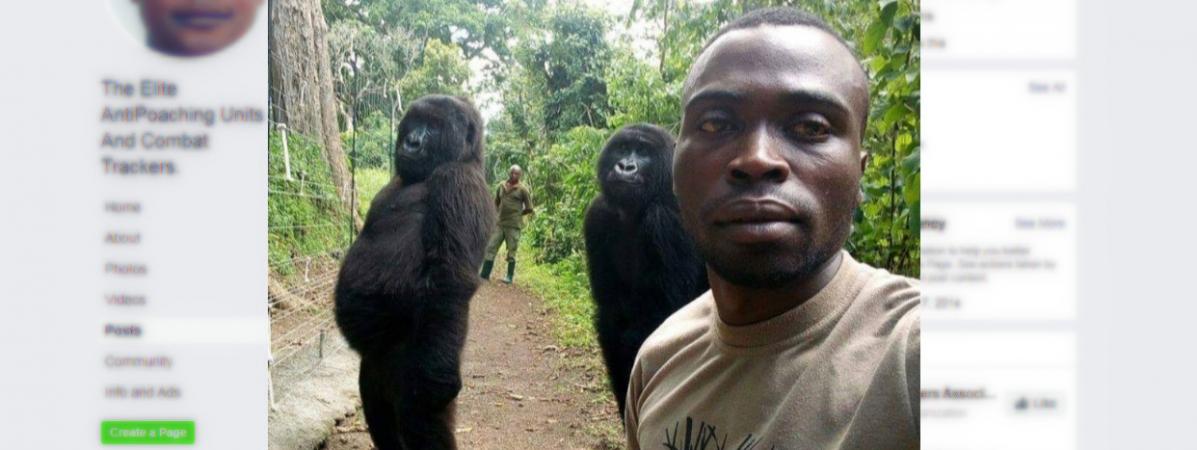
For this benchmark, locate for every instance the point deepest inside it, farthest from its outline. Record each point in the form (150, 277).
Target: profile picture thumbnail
(190, 27)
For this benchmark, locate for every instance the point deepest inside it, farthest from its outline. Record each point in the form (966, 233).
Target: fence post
(397, 105)
(353, 163)
(270, 382)
(321, 354)
(282, 129)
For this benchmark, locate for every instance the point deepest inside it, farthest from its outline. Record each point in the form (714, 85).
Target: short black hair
(778, 16)
(782, 16)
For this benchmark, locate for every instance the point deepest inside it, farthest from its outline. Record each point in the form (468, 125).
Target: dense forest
(554, 80)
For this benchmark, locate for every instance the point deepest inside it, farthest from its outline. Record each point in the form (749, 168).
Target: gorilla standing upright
(402, 297)
(643, 267)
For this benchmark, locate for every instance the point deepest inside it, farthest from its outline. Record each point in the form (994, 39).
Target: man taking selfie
(797, 345)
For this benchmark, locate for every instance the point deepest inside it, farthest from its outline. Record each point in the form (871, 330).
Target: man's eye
(811, 129)
(714, 126)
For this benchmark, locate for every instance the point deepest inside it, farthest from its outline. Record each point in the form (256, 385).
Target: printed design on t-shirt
(706, 437)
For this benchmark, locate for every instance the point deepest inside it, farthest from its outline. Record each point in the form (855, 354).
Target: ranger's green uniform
(513, 203)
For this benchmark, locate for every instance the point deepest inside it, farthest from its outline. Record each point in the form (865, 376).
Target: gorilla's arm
(601, 230)
(681, 266)
(457, 228)
(375, 295)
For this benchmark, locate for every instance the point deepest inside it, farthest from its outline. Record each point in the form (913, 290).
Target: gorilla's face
(769, 162)
(635, 165)
(436, 130)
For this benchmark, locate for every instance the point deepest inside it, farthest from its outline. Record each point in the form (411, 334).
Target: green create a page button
(147, 432)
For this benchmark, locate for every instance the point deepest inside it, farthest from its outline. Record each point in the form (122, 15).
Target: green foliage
(443, 71)
(563, 54)
(389, 52)
(564, 288)
(684, 28)
(368, 182)
(566, 75)
(370, 144)
(563, 179)
(367, 62)
(637, 93)
(556, 82)
(305, 216)
(887, 224)
(473, 25)
(574, 59)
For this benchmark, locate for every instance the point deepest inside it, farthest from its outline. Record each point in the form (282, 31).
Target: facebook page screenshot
(590, 224)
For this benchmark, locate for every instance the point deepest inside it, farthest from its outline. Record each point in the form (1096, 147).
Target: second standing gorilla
(642, 265)
(402, 297)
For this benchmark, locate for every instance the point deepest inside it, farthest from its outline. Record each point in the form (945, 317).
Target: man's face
(196, 27)
(768, 164)
(514, 175)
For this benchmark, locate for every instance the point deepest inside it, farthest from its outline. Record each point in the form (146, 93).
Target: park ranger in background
(513, 201)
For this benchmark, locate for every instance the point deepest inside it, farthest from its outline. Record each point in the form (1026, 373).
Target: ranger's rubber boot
(510, 272)
(486, 267)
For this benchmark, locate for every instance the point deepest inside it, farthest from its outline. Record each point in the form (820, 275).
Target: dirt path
(521, 391)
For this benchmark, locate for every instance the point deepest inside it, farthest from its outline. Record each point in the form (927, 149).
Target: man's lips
(201, 19)
(754, 211)
(756, 220)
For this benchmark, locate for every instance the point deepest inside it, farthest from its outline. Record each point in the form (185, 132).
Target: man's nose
(759, 160)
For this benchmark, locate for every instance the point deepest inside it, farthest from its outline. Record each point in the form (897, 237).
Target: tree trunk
(301, 84)
(664, 50)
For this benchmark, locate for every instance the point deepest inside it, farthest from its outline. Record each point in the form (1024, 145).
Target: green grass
(369, 181)
(306, 219)
(566, 293)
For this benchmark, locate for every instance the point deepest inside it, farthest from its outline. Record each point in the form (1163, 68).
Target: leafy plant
(306, 219)
(562, 76)
(443, 71)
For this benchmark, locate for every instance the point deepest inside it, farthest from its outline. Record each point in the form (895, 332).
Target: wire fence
(314, 211)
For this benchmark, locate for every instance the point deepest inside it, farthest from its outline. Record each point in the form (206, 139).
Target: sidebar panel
(134, 269)
(1000, 225)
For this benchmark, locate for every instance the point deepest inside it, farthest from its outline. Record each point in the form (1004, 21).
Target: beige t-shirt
(840, 371)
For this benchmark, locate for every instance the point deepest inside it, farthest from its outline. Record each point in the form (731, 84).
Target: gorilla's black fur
(643, 267)
(402, 297)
